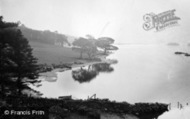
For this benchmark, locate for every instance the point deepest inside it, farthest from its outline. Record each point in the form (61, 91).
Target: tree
(18, 65)
(5, 51)
(91, 48)
(80, 44)
(105, 43)
(91, 51)
(84, 45)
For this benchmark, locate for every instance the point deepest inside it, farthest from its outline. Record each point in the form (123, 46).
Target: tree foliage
(106, 44)
(84, 45)
(83, 75)
(45, 36)
(18, 66)
(89, 45)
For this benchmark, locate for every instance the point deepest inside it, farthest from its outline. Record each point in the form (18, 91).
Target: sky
(121, 20)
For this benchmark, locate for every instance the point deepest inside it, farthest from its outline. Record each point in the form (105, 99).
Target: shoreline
(104, 109)
(51, 72)
(91, 108)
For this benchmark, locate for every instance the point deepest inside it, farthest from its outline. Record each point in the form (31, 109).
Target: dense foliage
(18, 66)
(90, 107)
(89, 45)
(83, 75)
(46, 36)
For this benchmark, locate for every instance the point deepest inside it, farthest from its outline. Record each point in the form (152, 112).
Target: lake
(144, 73)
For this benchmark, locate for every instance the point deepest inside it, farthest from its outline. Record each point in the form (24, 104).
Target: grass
(51, 54)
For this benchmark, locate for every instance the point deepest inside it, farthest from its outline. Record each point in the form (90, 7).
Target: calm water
(144, 73)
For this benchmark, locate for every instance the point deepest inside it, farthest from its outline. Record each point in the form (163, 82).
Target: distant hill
(173, 44)
(46, 36)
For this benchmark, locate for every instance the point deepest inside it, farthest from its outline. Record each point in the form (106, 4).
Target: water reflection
(148, 73)
(86, 74)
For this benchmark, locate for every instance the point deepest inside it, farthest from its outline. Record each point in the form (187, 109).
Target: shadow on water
(84, 74)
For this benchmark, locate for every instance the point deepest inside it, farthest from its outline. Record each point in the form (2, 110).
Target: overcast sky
(119, 19)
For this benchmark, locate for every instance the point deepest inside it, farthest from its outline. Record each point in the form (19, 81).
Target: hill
(45, 37)
(50, 47)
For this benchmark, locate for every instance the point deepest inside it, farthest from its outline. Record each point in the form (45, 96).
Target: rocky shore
(182, 53)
